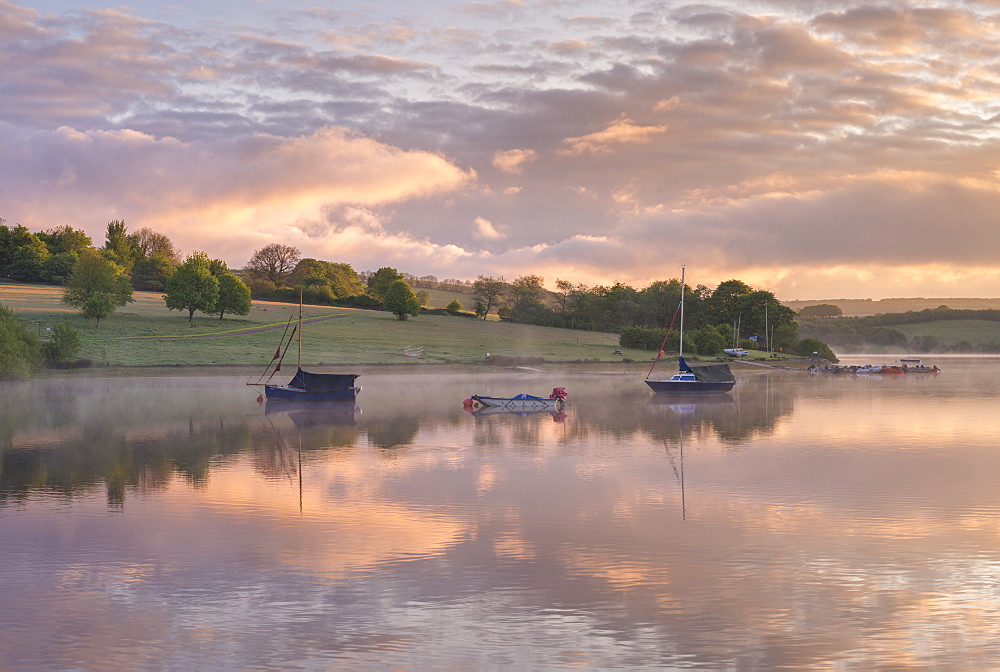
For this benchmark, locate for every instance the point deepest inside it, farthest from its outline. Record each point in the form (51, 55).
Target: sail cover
(323, 382)
(712, 373)
(708, 373)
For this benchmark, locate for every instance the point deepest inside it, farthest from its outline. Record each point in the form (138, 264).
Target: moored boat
(307, 386)
(920, 368)
(521, 402)
(709, 378)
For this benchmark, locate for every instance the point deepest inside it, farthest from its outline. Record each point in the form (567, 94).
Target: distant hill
(861, 307)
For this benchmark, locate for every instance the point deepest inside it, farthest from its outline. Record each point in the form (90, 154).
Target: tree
(723, 302)
(424, 297)
(152, 272)
(454, 307)
(234, 296)
(149, 243)
(64, 239)
(192, 286)
(119, 246)
(488, 290)
(524, 294)
(273, 262)
(659, 301)
(341, 278)
(380, 281)
(821, 310)
(97, 286)
(20, 351)
(25, 261)
(807, 346)
(57, 267)
(217, 267)
(400, 300)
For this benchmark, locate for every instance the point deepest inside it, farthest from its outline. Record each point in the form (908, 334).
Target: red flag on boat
(277, 368)
(277, 354)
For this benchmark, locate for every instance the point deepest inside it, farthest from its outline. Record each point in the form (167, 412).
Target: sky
(813, 149)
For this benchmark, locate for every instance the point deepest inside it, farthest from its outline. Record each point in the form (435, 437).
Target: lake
(800, 522)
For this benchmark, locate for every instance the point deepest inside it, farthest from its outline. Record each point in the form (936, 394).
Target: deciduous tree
(381, 280)
(193, 287)
(273, 262)
(119, 246)
(489, 291)
(97, 286)
(150, 243)
(401, 301)
(65, 238)
(234, 296)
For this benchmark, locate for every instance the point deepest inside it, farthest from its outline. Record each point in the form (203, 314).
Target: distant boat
(709, 378)
(306, 385)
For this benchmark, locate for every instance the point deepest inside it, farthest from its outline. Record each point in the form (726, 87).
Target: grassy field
(440, 298)
(145, 333)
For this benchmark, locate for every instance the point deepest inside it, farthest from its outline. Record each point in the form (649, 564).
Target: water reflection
(800, 522)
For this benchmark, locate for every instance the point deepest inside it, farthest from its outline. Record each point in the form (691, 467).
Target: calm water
(802, 522)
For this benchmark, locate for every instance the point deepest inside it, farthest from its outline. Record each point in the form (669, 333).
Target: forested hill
(940, 329)
(861, 307)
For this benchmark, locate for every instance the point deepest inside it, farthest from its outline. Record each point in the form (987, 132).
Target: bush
(644, 338)
(260, 288)
(708, 341)
(20, 350)
(360, 301)
(454, 307)
(318, 295)
(64, 346)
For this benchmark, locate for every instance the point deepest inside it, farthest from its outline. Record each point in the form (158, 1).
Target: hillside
(863, 307)
(145, 333)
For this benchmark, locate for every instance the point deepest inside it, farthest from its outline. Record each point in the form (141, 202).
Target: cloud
(486, 229)
(230, 196)
(787, 145)
(619, 133)
(513, 160)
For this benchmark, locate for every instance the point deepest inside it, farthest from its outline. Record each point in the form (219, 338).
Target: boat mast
(681, 346)
(300, 329)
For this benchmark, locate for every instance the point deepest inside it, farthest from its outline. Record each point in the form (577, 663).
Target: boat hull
(516, 404)
(690, 386)
(286, 393)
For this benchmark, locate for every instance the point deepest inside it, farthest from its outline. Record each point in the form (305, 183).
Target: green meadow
(145, 333)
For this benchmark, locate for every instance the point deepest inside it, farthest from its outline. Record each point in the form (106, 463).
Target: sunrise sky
(815, 149)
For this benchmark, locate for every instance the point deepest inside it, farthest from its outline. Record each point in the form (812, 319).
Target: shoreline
(209, 370)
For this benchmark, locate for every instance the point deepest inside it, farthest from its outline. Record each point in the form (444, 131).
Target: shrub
(20, 350)
(64, 346)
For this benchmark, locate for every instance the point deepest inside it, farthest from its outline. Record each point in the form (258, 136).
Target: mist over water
(798, 522)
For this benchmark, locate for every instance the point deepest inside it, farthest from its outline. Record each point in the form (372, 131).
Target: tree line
(731, 315)
(98, 280)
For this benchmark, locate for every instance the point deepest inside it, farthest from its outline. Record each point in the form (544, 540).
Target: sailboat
(688, 379)
(306, 385)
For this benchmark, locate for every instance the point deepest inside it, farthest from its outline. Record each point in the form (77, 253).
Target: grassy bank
(145, 333)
